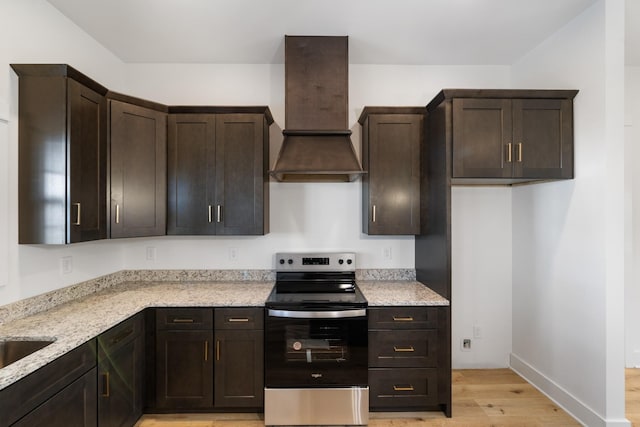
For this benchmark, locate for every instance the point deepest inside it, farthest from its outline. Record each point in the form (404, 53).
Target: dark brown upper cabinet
(217, 171)
(391, 144)
(138, 167)
(508, 136)
(62, 155)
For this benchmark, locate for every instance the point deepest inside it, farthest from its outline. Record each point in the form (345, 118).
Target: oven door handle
(336, 314)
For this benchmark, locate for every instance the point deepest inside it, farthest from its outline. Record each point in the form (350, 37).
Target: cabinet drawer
(184, 318)
(401, 389)
(410, 349)
(403, 318)
(239, 318)
(120, 334)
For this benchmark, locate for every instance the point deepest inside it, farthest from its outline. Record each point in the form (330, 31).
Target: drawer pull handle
(238, 319)
(509, 151)
(78, 212)
(105, 385)
(409, 349)
(218, 350)
(403, 388)
(402, 319)
(182, 320)
(519, 145)
(206, 350)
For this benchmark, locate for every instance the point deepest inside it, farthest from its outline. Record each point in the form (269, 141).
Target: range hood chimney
(317, 145)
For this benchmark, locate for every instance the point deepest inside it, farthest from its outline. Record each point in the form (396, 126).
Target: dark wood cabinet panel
(217, 174)
(240, 174)
(74, 405)
(402, 390)
(29, 393)
(239, 372)
(191, 174)
(184, 375)
(391, 155)
(62, 156)
(408, 349)
(409, 359)
(121, 366)
(507, 136)
(138, 170)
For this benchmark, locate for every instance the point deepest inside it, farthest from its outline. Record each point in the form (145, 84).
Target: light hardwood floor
(483, 397)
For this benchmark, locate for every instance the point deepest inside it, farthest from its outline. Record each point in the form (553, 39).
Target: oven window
(316, 342)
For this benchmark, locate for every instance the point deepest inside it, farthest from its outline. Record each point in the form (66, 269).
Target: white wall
(34, 31)
(632, 279)
(568, 237)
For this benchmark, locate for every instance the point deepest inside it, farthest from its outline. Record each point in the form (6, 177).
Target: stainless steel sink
(14, 350)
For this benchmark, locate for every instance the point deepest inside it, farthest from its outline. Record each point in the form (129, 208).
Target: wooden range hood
(317, 145)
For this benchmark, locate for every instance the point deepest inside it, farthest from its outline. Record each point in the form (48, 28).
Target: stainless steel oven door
(316, 348)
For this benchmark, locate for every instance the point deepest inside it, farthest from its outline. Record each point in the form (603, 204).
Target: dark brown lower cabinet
(121, 373)
(239, 368)
(61, 393)
(184, 376)
(409, 359)
(75, 405)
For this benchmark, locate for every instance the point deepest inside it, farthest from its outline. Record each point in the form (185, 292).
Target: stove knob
(281, 261)
(340, 261)
(349, 261)
(290, 261)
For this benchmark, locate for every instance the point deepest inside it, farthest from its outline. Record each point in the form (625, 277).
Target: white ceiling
(431, 32)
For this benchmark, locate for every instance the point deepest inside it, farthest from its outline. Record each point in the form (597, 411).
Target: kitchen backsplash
(51, 299)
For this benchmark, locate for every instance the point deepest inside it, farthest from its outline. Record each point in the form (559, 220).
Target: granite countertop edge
(75, 322)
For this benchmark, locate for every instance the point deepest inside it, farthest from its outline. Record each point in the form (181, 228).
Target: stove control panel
(329, 261)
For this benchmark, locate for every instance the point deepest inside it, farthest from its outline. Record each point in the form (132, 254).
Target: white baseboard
(581, 412)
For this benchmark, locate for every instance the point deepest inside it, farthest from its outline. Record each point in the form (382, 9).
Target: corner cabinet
(508, 136)
(138, 167)
(62, 155)
(391, 146)
(121, 365)
(217, 171)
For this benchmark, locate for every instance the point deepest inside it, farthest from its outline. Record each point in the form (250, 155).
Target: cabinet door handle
(178, 320)
(78, 211)
(219, 213)
(238, 319)
(217, 349)
(402, 319)
(519, 159)
(403, 388)
(206, 350)
(409, 349)
(509, 150)
(117, 214)
(373, 214)
(210, 213)
(105, 385)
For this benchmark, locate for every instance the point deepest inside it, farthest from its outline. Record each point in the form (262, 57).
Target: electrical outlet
(465, 344)
(233, 254)
(66, 265)
(151, 253)
(387, 253)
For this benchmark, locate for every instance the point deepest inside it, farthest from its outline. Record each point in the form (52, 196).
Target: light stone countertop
(76, 322)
